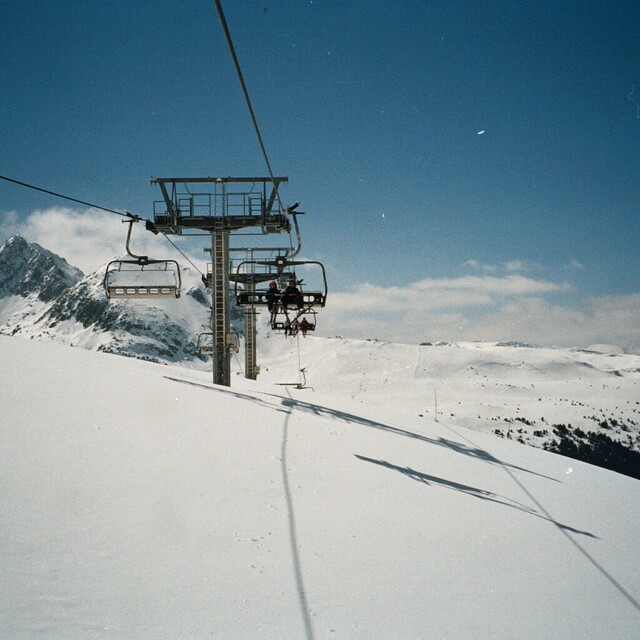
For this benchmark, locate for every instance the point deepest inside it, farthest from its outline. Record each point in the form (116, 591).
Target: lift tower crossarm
(167, 199)
(240, 206)
(277, 180)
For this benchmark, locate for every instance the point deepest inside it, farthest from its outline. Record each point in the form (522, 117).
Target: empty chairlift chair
(205, 344)
(141, 277)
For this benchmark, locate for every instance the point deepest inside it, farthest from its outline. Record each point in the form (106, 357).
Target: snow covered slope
(141, 501)
(516, 391)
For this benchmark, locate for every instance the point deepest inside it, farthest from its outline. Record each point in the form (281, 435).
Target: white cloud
(433, 294)
(87, 238)
(10, 220)
(510, 266)
(518, 265)
(482, 308)
(575, 265)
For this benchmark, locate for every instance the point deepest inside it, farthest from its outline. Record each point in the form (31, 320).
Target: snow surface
(517, 390)
(139, 500)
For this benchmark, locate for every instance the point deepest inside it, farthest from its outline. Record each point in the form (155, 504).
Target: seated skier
(305, 326)
(292, 296)
(272, 296)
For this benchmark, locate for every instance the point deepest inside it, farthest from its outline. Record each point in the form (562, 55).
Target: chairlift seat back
(260, 298)
(142, 291)
(127, 279)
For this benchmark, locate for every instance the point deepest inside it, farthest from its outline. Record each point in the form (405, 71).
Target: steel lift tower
(219, 207)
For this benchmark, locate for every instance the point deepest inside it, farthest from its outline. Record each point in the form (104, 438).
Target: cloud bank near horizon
(87, 239)
(494, 303)
(484, 309)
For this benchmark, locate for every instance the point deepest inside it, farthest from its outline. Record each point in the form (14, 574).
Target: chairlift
(205, 344)
(249, 280)
(281, 270)
(140, 276)
(291, 322)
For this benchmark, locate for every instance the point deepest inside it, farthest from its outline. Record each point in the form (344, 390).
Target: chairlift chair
(301, 384)
(288, 321)
(281, 270)
(140, 276)
(205, 344)
(249, 278)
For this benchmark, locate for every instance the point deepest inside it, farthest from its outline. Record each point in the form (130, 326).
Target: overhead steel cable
(236, 63)
(254, 120)
(182, 253)
(125, 214)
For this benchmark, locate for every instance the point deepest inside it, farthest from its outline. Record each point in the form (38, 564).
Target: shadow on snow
(475, 492)
(457, 447)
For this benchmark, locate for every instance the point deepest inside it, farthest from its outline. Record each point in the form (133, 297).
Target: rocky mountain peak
(26, 269)
(43, 297)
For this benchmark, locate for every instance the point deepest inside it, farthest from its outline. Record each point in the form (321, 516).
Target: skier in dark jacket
(272, 295)
(292, 296)
(305, 326)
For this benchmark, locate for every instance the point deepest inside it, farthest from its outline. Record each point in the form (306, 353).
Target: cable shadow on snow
(293, 532)
(474, 492)
(455, 446)
(289, 403)
(566, 533)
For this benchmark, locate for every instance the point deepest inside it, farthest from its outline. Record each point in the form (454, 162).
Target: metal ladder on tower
(219, 308)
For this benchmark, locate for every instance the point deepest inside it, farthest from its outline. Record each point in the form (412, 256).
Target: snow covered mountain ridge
(27, 268)
(43, 297)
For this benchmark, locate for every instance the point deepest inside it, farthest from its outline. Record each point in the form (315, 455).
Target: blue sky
(436, 146)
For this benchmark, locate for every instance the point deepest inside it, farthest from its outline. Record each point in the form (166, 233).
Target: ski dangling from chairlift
(301, 384)
(140, 277)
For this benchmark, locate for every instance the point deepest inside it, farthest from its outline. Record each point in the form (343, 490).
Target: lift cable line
(126, 214)
(150, 226)
(182, 253)
(254, 120)
(236, 64)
